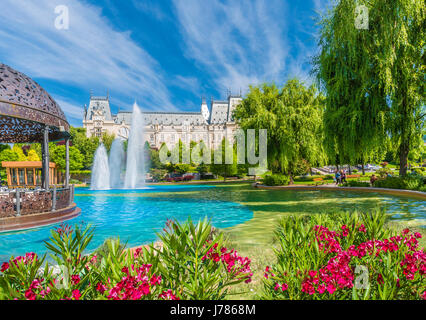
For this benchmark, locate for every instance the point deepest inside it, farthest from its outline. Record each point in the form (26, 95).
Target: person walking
(337, 176)
(343, 176)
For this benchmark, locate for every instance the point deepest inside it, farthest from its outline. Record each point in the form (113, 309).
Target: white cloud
(239, 42)
(72, 111)
(91, 54)
(151, 8)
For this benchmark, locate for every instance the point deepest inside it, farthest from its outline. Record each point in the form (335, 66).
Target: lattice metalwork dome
(26, 108)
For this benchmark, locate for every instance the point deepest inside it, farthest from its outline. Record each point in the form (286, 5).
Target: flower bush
(193, 263)
(345, 256)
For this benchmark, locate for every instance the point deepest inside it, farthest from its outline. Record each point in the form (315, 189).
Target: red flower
(380, 279)
(100, 288)
(155, 280)
(30, 295)
(4, 267)
(75, 279)
(76, 294)
(168, 295)
(331, 288)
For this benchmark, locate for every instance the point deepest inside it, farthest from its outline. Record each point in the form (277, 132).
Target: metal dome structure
(26, 110)
(28, 114)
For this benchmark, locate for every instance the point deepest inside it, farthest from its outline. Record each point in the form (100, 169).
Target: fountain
(116, 163)
(135, 167)
(100, 171)
(106, 173)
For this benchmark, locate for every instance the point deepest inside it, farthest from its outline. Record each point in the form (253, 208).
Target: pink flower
(75, 279)
(155, 280)
(76, 294)
(168, 295)
(137, 252)
(100, 288)
(4, 267)
(30, 295)
(284, 287)
(331, 288)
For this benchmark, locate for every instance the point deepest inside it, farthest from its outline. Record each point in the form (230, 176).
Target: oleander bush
(345, 256)
(276, 180)
(192, 263)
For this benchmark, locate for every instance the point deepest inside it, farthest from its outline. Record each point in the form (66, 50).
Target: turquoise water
(132, 215)
(137, 215)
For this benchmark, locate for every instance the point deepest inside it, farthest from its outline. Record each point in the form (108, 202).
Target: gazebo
(28, 114)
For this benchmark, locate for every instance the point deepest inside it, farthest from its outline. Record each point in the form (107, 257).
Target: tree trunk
(349, 169)
(363, 169)
(403, 158)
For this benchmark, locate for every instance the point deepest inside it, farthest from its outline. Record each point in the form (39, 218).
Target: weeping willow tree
(292, 116)
(373, 79)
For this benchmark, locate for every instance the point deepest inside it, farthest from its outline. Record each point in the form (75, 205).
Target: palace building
(210, 125)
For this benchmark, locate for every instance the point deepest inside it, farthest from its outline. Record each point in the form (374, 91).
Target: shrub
(355, 183)
(384, 172)
(418, 171)
(319, 257)
(196, 264)
(408, 182)
(276, 180)
(192, 263)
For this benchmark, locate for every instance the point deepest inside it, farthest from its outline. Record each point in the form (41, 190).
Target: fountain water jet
(135, 168)
(100, 170)
(116, 163)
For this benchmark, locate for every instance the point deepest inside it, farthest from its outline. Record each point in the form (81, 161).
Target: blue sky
(166, 55)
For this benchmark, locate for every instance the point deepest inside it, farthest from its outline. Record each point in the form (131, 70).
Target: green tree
(373, 79)
(57, 155)
(293, 118)
(86, 146)
(18, 150)
(32, 155)
(219, 163)
(6, 155)
(107, 140)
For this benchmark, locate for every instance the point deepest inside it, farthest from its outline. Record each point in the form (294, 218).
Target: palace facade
(210, 125)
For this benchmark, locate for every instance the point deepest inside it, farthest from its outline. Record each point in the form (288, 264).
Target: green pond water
(268, 206)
